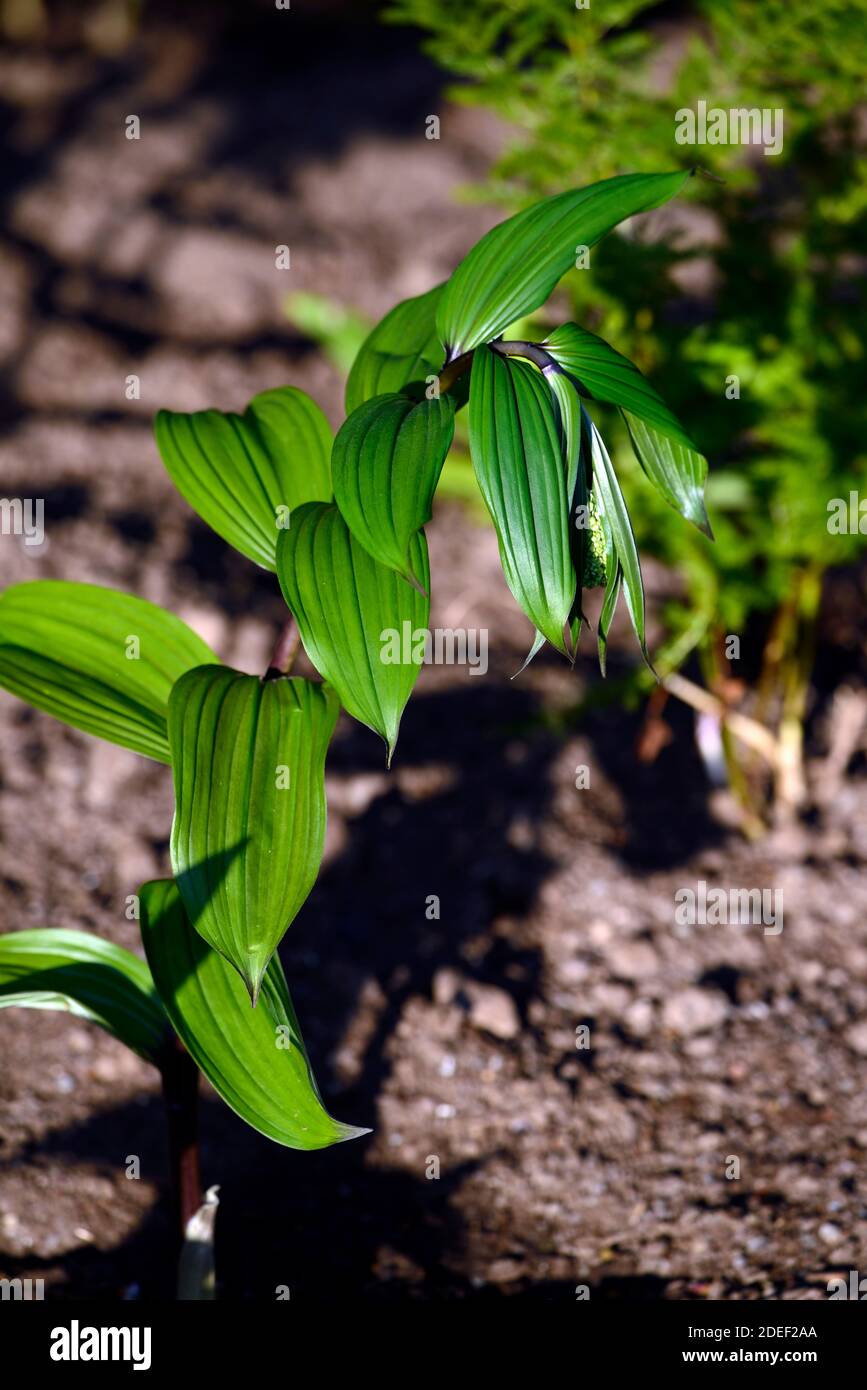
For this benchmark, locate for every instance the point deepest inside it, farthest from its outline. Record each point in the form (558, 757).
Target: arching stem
(285, 650)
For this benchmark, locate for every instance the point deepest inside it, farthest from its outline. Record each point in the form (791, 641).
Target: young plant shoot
(341, 524)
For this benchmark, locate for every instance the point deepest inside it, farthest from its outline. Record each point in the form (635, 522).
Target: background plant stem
(180, 1079)
(285, 650)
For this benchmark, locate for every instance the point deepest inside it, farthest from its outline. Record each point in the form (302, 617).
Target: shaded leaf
(66, 648)
(93, 979)
(514, 268)
(403, 347)
(254, 1058)
(248, 758)
(360, 623)
(516, 451)
(386, 462)
(617, 519)
(569, 418)
(609, 606)
(245, 474)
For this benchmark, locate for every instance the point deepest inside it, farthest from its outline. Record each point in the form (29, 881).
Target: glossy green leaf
(86, 976)
(403, 347)
(606, 375)
(514, 268)
(254, 1058)
(516, 450)
(245, 474)
(569, 418)
(362, 626)
(100, 660)
(386, 463)
(661, 444)
(617, 519)
(248, 759)
(676, 469)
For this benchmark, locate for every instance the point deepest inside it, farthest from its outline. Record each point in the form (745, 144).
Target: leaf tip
(347, 1132)
(416, 584)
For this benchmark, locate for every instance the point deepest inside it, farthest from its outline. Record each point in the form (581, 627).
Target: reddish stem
(285, 650)
(180, 1078)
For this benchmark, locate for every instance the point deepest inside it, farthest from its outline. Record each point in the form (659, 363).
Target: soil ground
(454, 1039)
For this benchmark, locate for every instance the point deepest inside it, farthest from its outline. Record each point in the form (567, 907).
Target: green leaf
(86, 976)
(677, 470)
(662, 446)
(403, 347)
(609, 607)
(360, 623)
(606, 375)
(245, 474)
(617, 519)
(66, 648)
(516, 449)
(248, 758)
(514, 268)
(569, 419)
(386, 462)
(254, 1058)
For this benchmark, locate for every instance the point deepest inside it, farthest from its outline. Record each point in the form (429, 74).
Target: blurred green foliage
(761, 277)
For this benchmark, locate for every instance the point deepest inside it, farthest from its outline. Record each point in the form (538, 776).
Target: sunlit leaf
(514, 268)
(606, 375)
(254, 1058)
(100, 660)
(72, 971)
(386, 462)
(362, 626)
(661, 444)
(248, 759)
(676, 469)
(245, 474)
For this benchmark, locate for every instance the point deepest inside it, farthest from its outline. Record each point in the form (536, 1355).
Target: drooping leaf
(516, 451)
(677, 470)
(386, 462)
(613, 586)
(362, 626)
(248, 759)
(100, 660)
(662, 446)
(245, 474)
(254, 1058)
(617, 519)
(514, 268)
(607, 375)
(403, 347)
(569, 419)
(73, 971)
